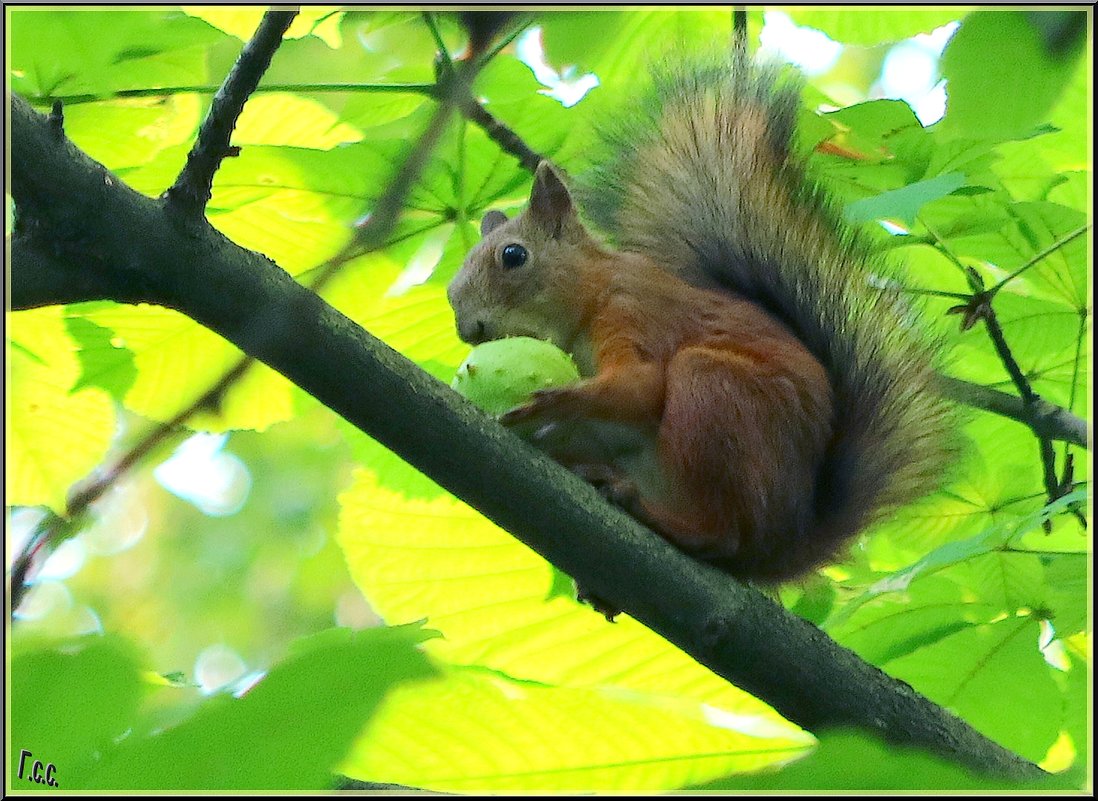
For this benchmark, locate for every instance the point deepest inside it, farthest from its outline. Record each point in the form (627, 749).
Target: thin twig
(85, 493)
(1044, 418)
(208, 89)
(1055, 246)
(1006, 356)
(505, 138)
(980, 307)
(191, 190)
(371, 232)
(436, 34)
(1053, 486)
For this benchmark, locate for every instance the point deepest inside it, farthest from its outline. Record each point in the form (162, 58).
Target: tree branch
(979, 306)
(208, 89)
(505, 138)
(191, 190)
(1046, 419)
(39, 277)
(731, 628)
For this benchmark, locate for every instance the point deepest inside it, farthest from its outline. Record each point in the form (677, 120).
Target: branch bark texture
(1046, 419)
(142, 252)
(191, 191)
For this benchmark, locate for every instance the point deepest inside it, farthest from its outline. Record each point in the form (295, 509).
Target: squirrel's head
(521, 278)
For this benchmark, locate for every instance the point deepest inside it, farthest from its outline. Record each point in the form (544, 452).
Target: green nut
(498, 376)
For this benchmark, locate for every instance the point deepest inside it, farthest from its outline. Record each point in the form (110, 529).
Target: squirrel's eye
(513, 256)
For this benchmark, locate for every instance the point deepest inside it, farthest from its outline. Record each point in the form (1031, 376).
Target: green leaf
(65, 51)
(70, 701)
(473, 730)
(1006, 580)
(986, 63)
(178, 360)
(1067, 150)
(855, 760)
(885, 626)
(397, 45)
(903, 204)
(874, 121)
(1078, 692)
(1014, 235)
(994, 677)
(1071, 191)
(102, 363)
(953, 553)
(242, 22)
(888, 24)
(287, 732)
(1068, 591)
(617, 45)
(56, 432)
(415, 555)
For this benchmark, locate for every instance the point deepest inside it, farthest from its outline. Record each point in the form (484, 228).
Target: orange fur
(731, 408)
(751, 392)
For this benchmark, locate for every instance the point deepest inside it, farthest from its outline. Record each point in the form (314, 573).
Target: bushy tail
(701, 176)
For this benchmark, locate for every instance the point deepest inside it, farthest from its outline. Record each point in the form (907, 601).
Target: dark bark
(191, 190)
(1046, 419)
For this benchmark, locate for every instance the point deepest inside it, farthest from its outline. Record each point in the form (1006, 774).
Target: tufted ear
(550, 201)
(492, 220)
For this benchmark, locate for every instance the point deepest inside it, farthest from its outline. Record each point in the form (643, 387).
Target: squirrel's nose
(472, 331)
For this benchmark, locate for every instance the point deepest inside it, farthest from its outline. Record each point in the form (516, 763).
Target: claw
(544, 432)
(517, 415)
(606, 609)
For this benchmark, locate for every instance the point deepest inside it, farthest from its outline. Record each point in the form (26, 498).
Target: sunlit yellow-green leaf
(282, 118)
(473, 730)
(178, 360)
(537, 692)
(296, 205)
(490, 596)
(242, 22)
(395, 303)
(125, 133)
(55, 436)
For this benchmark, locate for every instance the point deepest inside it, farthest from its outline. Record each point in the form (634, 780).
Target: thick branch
(191, 190)
(741, 635)
(41, 278)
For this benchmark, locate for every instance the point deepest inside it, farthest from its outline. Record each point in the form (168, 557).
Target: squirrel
(749, 392)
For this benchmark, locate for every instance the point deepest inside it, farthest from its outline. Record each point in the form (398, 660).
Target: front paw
(545, 406)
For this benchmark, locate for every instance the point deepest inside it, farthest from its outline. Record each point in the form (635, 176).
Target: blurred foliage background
(177, 630)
